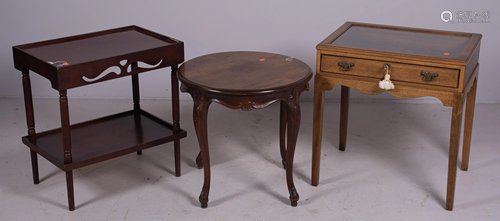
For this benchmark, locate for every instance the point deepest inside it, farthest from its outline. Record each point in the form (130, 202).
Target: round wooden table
(246, 80)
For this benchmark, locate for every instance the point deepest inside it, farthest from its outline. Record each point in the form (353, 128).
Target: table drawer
(399, 71)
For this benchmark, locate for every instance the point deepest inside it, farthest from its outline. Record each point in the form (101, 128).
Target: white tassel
(386, 84)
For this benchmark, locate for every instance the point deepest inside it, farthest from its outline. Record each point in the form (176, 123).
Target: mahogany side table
(246, 80)
(87, 59)
(407, 63)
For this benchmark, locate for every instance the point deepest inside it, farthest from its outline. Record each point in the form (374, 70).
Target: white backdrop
(288, 27)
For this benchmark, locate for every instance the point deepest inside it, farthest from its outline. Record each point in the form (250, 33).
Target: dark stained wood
(30, 120)
(239, 73)
(137, 103)
(176, 127)
(89, 55)
(66, 146)
(34, 166)
(92, 141)
(293, 124)
(409, 51)
(74, 146)
(283, 120)
(199, 161)
(241, 80)
(70, 190)
(96, 48)
(200, 112)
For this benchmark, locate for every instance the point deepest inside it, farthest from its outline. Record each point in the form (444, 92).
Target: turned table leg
(30, 120)
(175, 119)
(136, 99)
(319, 101)
(344, 113)
(200, 112)
(283, 124)
(469, 116)
(66, 138)
(456, 123)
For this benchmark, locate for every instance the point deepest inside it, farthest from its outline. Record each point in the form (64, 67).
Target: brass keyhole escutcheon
(387, 66)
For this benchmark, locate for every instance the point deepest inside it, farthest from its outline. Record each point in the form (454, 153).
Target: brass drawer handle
(346, 66)
(428, 76)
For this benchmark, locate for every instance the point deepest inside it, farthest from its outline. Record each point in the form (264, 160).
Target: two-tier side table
(91, 58)
(246, 80)
(407, 63)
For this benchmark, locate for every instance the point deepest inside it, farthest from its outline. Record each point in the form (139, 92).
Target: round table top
(244, 72)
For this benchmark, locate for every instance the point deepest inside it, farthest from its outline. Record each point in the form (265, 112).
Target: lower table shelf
(104, 138)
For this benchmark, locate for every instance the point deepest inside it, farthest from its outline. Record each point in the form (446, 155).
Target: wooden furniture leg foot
(199, 161)
(177, 153)
(30, 120)
(200, 112)
(456, 123)
(344, 113)
(319, 101)
(469, 116)
(283, 123)
(293, 120)
(71, 193)
(34, 167)
(66, 139)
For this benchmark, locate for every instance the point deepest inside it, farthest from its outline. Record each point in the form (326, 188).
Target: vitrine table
(407, 63)
(91, 58)
(246, 80)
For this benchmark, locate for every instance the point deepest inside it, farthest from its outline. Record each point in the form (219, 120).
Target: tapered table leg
(283, 123)
(200, 112)
(469, 117)
(319, 101)
(71, 191)
(456, 124)
(344, 114)
(34, 167)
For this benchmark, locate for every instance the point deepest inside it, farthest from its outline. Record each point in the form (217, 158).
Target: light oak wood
(398, 71)
(457, 78)
(344, 114)
(469, 117)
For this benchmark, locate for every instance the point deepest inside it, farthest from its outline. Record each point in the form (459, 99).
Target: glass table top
(403, 41)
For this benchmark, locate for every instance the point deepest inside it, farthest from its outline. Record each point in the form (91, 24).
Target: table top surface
(242, 71)
(84, 59)
(396, 41)
(95, 47)
(403, 41)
